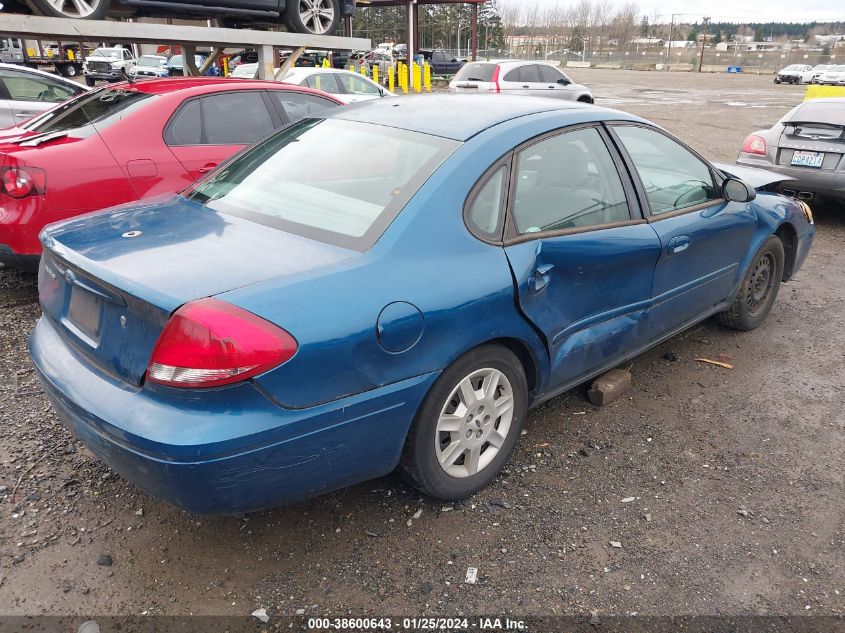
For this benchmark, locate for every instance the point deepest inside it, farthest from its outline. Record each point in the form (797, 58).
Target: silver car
(518, 77)
(808, 145)
(25, 92)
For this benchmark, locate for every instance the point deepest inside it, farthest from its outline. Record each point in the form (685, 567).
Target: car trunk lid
(111, 280)
(815, 145)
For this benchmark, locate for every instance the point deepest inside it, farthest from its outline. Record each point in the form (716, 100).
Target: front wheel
(759, 288)
(90, 82)
(74, 9)
(313, 17)
(468, 424)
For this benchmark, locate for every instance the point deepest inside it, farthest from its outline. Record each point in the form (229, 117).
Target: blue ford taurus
(394, 284)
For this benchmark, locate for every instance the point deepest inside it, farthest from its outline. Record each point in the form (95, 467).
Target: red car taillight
(495, 80)
(20, 182)
(209, 343)
(754, 145)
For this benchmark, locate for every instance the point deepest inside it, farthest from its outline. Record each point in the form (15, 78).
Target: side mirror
(381, 92)
(563, 82)
(736, 190)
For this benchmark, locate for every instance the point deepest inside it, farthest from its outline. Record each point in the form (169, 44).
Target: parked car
(128, 142)
(25, 92)
(149, 66)
(344, 85)
(442, 62)
(807, 145)
(795, 74)
(110, 64)
(833, 76)
(384, 61)
(515, 77)
(318, 17)
(818, 71)
(364, 290)
(174, 66)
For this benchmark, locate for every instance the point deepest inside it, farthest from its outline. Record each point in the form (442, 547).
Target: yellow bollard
(225, 64)
(417, 78)
(375, 73)
(317, 77)
(364, 70)
(391, 79)
(403, 77)
(326, 62)
(427, 77)
(352, 67)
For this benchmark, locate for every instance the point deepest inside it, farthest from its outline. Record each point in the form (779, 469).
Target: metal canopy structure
(413, 22)
(189, 37)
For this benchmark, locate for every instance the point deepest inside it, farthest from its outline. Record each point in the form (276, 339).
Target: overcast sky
(741, 10)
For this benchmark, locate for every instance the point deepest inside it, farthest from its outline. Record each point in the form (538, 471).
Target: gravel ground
(704, 491)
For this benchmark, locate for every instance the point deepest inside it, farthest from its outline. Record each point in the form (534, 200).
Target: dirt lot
(736, 476)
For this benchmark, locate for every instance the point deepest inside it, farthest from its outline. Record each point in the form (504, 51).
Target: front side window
(673, 177)
(357, 86)
(551, 75)
(568, 181)
(310, 179)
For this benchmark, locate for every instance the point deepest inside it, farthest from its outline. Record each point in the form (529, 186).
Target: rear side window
(568, 181)
(485, 210)
(354, 85)
(327, 82)
(529, 73)
(476, 71)
(298, 105)
(227, 118)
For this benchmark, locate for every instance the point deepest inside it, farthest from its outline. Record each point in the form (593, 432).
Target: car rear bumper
(230, 450)
(827, 183)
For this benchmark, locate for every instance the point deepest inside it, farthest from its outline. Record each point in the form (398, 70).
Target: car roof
(465, 115)
(200, 85)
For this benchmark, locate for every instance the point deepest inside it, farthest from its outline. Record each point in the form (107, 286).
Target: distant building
(679, 44)
(647, 41)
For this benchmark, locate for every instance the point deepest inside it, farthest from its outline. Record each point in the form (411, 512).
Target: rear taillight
(754, 145)
(208, 343)
(495, 81)
(20, 182)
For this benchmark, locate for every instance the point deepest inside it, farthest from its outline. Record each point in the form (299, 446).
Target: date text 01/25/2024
(416, 623)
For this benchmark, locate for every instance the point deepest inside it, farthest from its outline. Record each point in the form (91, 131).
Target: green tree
(717, 38)
(644, 26)
(693, 35)
(759, 35)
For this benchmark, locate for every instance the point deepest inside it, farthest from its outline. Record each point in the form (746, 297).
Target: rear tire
(759, 289)
(92, 9)
(321, 19)
(468, 425)
(90, 82)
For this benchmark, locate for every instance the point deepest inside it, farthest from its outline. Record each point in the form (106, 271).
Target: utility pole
(703, 42)
(669, 46)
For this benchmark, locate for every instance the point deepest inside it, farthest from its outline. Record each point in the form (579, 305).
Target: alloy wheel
(75, 8)
(316, 15)
(474, 423)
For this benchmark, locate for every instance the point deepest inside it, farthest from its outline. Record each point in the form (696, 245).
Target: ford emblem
(132, 234)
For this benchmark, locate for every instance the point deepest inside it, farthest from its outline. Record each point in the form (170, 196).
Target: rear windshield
(339, 182)
(101, 107)
(825, 112)
(151, 60)
(476, 71)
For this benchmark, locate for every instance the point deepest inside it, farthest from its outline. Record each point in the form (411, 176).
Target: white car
(347, 86)
(25, 92)
(518, 77)
(149, 66)
(833, 76)
(795, 74)
(818, 71)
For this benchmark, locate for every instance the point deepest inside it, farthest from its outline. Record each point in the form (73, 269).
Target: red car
(128, 141)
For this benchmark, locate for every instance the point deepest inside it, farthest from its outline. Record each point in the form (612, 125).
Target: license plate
(808, 159)
(84, 312)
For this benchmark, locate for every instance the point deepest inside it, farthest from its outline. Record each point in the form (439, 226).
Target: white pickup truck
(110, 64)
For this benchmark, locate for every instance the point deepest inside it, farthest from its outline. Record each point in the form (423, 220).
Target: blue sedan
(392, 285)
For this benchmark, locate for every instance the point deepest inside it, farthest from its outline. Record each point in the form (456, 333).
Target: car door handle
(25, 114)
(526, 87)
(678, 244)
(207, 168)
(539, 279)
